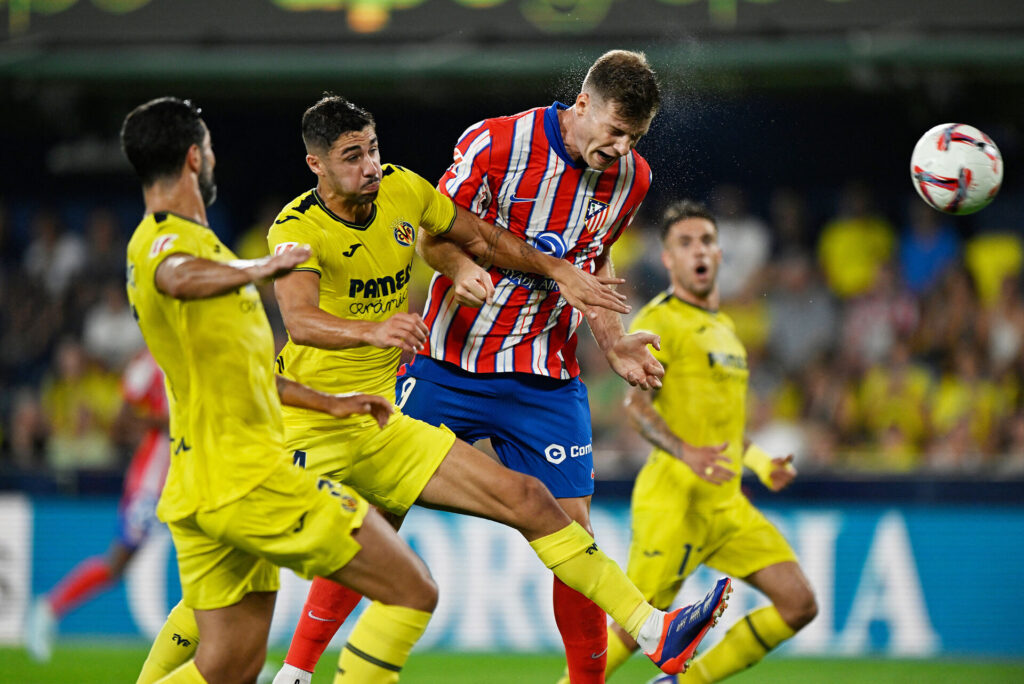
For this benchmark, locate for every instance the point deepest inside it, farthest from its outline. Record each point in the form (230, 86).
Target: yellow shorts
(390, 466)
(671, 538)
(291, 519)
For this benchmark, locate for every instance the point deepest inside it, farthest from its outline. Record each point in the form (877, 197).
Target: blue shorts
(537, 425)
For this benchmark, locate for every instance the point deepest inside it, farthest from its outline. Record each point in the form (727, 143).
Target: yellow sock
(618, 653)
(186, 674)
(380, 643)
(744, 644)
(175, 644)
(573, 556)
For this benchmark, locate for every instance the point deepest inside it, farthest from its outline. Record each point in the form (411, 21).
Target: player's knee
(535, 501)
(802, 608)
(424, 593)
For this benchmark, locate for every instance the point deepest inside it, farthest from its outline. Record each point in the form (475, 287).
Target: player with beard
(346, 311)
(236, 506)
(687, 507)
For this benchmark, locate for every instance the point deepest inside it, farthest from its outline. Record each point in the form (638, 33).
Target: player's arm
(298, 296)
(469, 233)
(184, 276)
(775, 472)
(708, 462)
(338, 405)
(627, 354)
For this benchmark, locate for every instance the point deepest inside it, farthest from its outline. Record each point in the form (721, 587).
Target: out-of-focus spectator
(1012, 464)
(965, 397)
(28, 431)
(803, 316)
(80, 403)
(895, 395)
(950, 314)
(991, 258)
(1001, 327)
(252, 244)
(8, 250)
(744, 239)
(54, 256)
(110, 333)
(874, 321)
(105, 258)
(928, 247)
(856, 244)
(789, 221)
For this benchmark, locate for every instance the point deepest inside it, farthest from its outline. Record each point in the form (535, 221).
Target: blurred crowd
(876, 343)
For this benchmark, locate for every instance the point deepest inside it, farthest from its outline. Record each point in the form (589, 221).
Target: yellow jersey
(364, 275)
(217, 356)
(703, 393)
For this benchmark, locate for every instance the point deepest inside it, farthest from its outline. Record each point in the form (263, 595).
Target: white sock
(650, 632)
(289, 674)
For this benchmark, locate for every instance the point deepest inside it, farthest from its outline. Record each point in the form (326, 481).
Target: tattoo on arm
(492, 244)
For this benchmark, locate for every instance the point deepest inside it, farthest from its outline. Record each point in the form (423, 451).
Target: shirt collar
(553, 129)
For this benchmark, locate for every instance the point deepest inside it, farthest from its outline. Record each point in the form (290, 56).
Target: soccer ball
(956, 168)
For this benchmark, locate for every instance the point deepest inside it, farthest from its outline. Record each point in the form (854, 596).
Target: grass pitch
(100, 663)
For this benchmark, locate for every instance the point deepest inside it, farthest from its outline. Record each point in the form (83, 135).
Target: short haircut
(682, 210)
(329, 119)
(157, 135)
(625, 78)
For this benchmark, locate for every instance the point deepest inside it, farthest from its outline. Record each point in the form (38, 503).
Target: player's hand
(345, 405)
(473, 286)
(709, 462)
(279, 264)
(630, 358)
(586, 291)
(406, 331)
(782, 473)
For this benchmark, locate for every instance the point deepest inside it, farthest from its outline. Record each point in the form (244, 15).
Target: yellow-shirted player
(687, 507)
(346, 312)
(362, 274)
(236, 506)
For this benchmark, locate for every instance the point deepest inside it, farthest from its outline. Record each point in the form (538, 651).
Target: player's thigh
(469, 481)
(547, 434)
(386, 569)
(746, 542)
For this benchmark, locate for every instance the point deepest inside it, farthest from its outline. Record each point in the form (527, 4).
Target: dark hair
(330, 118)
(682, 210)
(156, 136)
(625, 78)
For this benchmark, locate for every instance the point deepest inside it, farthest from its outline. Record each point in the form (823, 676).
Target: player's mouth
(604, 157)
(702, 270)
(372, 186)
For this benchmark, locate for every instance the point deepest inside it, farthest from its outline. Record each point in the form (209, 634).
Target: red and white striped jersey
(515, 172)
(142, 385)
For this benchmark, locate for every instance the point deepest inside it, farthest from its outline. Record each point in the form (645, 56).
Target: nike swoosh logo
(595, 656)
(513, 198)
(310, 614)
(287, 218)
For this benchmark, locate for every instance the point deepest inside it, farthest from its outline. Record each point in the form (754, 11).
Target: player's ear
(194, 158)
(666, 260)
(315, 164)
(582, 102)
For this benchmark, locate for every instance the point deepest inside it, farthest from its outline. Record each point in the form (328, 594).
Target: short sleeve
(291, 231)
(465, 181)
(438, 210)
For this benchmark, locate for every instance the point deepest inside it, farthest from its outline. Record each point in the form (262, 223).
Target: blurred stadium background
(886, 340)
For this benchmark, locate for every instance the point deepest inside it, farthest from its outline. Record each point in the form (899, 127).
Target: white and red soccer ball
(956, 168)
